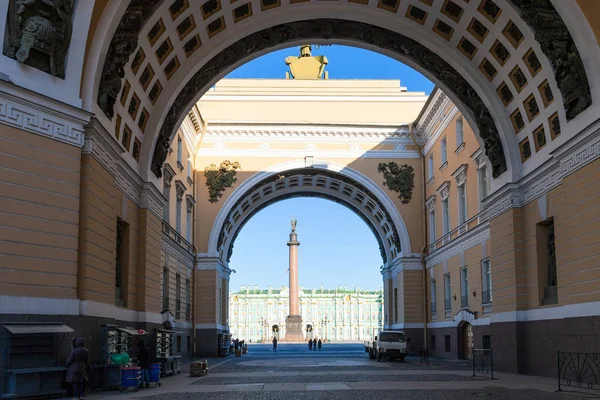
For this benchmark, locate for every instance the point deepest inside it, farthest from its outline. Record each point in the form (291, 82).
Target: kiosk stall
(117, 351)
(162, 343)
(29, 359)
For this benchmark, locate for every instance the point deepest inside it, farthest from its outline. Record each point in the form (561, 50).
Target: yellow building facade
(103, 148)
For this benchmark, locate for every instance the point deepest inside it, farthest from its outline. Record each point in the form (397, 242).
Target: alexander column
(293, 322)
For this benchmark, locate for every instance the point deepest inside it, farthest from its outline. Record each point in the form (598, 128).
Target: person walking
(274, 344)
(310, 344)
(320, 344)
(315, 344)
(144, 362)
(76, 363)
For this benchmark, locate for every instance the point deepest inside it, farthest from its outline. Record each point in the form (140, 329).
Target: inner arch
(324, 180)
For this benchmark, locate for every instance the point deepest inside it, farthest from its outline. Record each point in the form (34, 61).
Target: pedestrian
(144, 362)
(315, 344)
(274, 344)
(320, 344)
(310, 344)
(76, 363)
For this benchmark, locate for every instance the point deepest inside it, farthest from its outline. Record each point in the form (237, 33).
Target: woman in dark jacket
(76, 364)
(144, 362)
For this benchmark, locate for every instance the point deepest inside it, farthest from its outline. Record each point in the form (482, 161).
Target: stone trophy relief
(38, 33)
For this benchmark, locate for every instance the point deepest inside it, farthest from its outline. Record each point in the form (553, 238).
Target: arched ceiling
(505, 62)
(309, 182)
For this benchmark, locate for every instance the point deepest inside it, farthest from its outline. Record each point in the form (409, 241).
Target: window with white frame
(483, 186)
(432, 232)
(445, 216)
(443, 150)
(188, 224)
(433, 296)
(189, 169)
(464, 287)
(167, 194)
(430, 162)
(178, 215)
(447, 292)
(486, 281)
(459, 132)
(179, 149)
(462, 203)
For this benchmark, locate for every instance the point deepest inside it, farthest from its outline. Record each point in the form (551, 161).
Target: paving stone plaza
(339, 371)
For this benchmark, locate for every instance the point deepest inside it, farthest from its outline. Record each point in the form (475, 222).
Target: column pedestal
(293, 328)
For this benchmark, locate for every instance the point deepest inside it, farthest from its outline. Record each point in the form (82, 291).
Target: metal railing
(486, 297)
(483, 362)
(580, 371)
(448, 304)
(433, 307)
(464, 301)
(176, 236)
(458, 231)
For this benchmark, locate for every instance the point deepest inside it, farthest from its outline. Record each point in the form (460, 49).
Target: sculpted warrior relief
(39, 33)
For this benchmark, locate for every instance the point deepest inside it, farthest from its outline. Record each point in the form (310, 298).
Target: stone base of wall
(524, 347)
(207, 342)
(90, 328)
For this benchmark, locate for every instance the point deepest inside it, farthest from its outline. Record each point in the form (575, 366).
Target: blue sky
(344, 63)
(337, 247)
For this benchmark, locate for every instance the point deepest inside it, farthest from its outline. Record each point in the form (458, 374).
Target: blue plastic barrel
(154, 371)
(130, 377)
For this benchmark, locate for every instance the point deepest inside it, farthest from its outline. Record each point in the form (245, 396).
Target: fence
(580, 371)
(483, 362)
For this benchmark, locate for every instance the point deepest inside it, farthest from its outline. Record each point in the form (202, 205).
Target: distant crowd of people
(313, 344)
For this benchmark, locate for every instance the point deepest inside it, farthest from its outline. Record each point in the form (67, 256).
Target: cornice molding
(473, 237)
(444, 190)
(303, 133)
(152, 200)
(31, 112)
(222, 151)
(173, 249)
(460, 175)
(430, 202)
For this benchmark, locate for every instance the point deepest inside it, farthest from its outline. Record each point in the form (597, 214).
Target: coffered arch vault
(498, 60)
(326, 180)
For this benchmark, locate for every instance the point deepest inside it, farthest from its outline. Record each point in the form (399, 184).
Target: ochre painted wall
(39, 209)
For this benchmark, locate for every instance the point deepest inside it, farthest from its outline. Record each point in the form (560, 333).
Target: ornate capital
(444, 190)
(180, 189)
(460, 174)
(430, 203)
(190, 202)
(169, 174)
(477, 157)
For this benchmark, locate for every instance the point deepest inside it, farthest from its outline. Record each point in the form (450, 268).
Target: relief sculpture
(39, 33)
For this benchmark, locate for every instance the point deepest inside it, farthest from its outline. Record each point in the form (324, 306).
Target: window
(483, 186)
(188, 305)
(179, 149)
(165, 287)
(188, 224)
(433, 296)
(486, 342)
(178, 215)
(395, 304)
(459, 132)
(431, 226)
(189, 343)
(546, 262)
(443, 150)
(486, 280)
(447, 346)
(464, 287)
(122, 263)
(447, 290)
(179, 343)
(462, 204)
(430, 161)
(166, 208)
(432, 344)
(445, 216)
(189, 169)
(177, 296)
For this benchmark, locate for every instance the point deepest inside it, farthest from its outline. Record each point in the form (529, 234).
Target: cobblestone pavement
(339, 371)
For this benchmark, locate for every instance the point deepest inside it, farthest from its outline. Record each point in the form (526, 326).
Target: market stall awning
(24, 329)
(129, 331)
